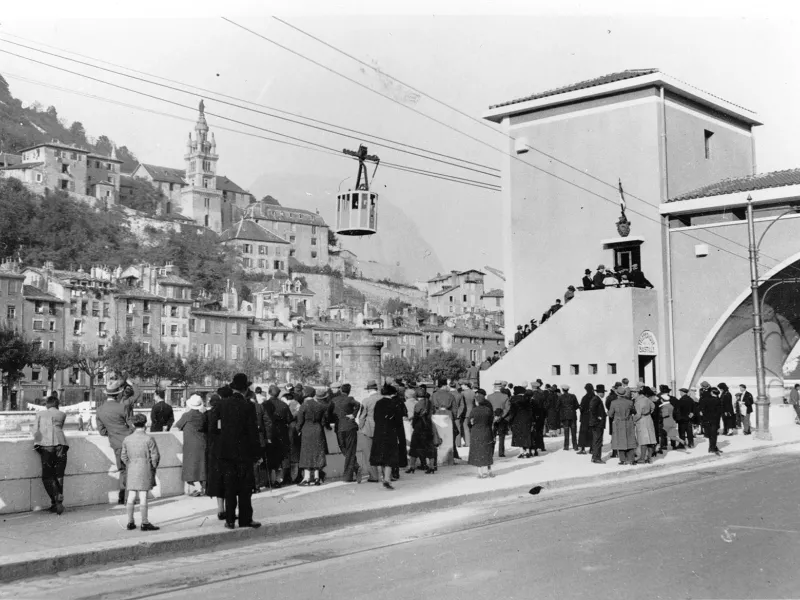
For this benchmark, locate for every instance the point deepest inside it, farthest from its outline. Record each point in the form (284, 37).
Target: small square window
(574, 370)
(592, 369)
(612, 368)
(555, 370)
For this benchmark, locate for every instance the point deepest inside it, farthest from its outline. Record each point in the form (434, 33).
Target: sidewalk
(39, 543)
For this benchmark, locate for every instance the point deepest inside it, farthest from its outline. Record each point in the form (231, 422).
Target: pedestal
(762, 420)
(361, 360)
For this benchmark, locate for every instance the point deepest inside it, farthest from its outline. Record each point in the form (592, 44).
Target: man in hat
(747, 400)
(587, 282)
(710, 409)
(519, 335)
(501, 405)
(597, 422)
(278, 417)
(539, 409)
(597, 280)
(344, 410)
(685, 414)
(237, 449)
(637, 278)
(568, 413)
(366, 425)
(114, 420)
(534, 326)
(161, 416)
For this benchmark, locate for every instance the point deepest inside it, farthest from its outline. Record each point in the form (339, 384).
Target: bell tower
(201, 199)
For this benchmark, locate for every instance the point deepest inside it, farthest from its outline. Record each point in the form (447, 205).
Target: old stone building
(260, 251)
(456, 292)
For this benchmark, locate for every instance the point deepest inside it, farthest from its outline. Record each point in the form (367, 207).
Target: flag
(622, 204)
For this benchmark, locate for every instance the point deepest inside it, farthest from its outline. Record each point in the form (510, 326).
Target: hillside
(21, 127)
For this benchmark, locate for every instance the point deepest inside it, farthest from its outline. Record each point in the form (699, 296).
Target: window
(262, 249)
(299, 342)
(77, 327)
(163, 329)
(206, 165)
(38, 307)
(51, 345)
(95, 309)
(707, 135)
(313, 241)
(38, 325)
(52, 325)
(192, 325)
(106, 310)
(451, 298)
(262, 264)
(145, 325)
(146, 306)
(313, 229)
(184, 330)
(65, 168)
(14, 287)
(592, 369)
(203, 326)
(247, 248)
(292, 239)
(555, 370)
(173, 331)
(173, 312)
(101, 350)
(38, 178)
(101, 327)
(234, 352)
(206, 220)
(277, 250)
(313, 254)
(327, 338)
(64, 184)
(465, 298)
(247, 262)
(220, 327)
(129, 307)
(35, 375)
(612, 368)
(218, 350)
(277, 265)
(574, 370)
(11, 313)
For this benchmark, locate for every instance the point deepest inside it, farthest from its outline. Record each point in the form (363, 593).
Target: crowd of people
(242, 441)
(603, 278)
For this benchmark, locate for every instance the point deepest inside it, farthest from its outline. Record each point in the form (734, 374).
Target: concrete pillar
(361, 361)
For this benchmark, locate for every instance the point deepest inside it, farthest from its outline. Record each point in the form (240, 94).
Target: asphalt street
(733, 532)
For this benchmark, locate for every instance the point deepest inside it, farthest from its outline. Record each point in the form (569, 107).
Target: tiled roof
(493, 294)
(271, 212)
(475, 333)
(225, 184)
(249, 230)
(104, 157)
(134, 292)
(166, 174)
(79, 275)
(58, 145)
(7, 158)
(33, 293)
(260, 325)
(222, 314)
(750, 183)
(445, 291)
(582, 85)
(172, 279)
(22, 166)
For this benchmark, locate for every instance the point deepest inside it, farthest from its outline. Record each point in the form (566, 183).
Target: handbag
(437, 439)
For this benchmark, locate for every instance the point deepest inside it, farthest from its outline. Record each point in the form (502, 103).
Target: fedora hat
(372, 385)
(600, 389)
(240, 382)
(194, 402)
(115, 387)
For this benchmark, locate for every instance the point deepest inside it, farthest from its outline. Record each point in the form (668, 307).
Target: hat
(587, 271)
(705, 385)
(274, 390)
(321, 392)
(523, 384)
(601, 267)
(565, 387)
(723, 386)
(498, 383)
(684, 390)
(600, 389)
(388, 390)
(336, 386)
(195, 402)
(536, 384)
(114, 388)
(372, 385)
(664, 389)
(411, 393)
(309, 392)
(225, 391)
(623, 391)
(240, 382)
(589, 387)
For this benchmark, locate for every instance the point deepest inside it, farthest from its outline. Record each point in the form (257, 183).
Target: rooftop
(445, 291)
(134, 292)
(33, 293)
(165, 174)
(58, 145)
(172, 279)
(275, 212)
(249, 230)
(21, 166)
(104, 157)
(749, 183)
(222, 314)
(493, 294)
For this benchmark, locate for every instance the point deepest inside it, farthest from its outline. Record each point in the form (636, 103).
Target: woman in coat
(623, 438)
(402, 451)
(294, 403)
(553, 417)
(520, 418)
(194, 427)
(585, 431)
(384, 441)
(214, 477)
(728, 414)
(278, 419)
(481, 446)
(141, 458)
(645, 430)
(422, 445)
(311, 420)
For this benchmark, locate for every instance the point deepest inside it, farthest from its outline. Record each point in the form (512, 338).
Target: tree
(397, 367)
(395, 305)
(52, 361)
(190, 371)
(440, 364)
(92, 364)
(304, 368)
(126, 357)
(18, 207)
(254, 367)
(15, 354)
(159, 366)
(332, 239)
(78, 133)
(144, 196)
(221, 370)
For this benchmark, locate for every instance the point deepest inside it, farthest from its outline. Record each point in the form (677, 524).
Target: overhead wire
(582, 171)
(363, 136)
(390, 165)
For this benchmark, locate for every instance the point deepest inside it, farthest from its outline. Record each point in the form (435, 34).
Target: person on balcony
(597, 280)
(569, 294)
(587, 282)
(519, 335)
(637, 278)
(610, 280)
(555, 308)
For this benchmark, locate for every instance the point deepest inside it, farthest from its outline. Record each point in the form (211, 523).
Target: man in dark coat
(539, 408)
(161, 417)
(585, 431)
(501, 405)
(710, 409)
(597, 423)
(518, 335)
(555, 308)
(587, 282)
(611, 397)
(233, 421)
(115, 421)
(343, 415)
(637, 278)
(597, 280)
(568, 413)
(747, 400)
(277, 417)
(728, 414)
(685, 413)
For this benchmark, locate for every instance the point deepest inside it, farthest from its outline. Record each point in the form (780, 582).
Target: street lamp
(762, 402)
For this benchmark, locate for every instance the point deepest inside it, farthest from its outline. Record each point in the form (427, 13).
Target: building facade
(456, 293)
(260, 251)
(306, 232)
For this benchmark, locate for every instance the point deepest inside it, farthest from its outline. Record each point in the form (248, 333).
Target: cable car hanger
(362, 156)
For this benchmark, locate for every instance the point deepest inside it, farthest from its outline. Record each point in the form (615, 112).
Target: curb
(46, 562)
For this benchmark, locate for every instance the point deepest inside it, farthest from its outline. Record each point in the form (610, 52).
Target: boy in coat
(141, 458)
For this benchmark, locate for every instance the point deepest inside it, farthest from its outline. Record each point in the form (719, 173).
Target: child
(140, 454)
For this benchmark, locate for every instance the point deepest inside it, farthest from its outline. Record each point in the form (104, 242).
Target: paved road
(729, 533)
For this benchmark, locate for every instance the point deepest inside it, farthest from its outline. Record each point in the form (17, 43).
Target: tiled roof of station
(750, 183)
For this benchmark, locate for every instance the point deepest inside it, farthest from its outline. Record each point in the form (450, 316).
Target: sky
(466, 61)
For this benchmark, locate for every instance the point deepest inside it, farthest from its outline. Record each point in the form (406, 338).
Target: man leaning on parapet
(114, 422)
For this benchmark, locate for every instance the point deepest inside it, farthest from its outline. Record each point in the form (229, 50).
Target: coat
(384, 440)
(214, 487)
(48, 430)
(585, 431)
(710, 409)
(422, 438)
(597, 413)
(520, 418)
(623, 435)
(567, 407)
(277, 418)
(481, 445)
(553, 418)
(311, 420)
(233, 424)
(161, 417)
(194, 425)
(402, 415)
(366, 418)
(668, 422)
(114, 421)
(686, 409)
(645, 430)
(141, 458)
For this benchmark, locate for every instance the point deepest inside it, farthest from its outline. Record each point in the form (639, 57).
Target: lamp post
(762, 402)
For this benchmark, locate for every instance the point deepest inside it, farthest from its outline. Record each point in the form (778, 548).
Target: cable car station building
(687, 163)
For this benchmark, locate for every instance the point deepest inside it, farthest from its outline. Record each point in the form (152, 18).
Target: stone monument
(361, 360)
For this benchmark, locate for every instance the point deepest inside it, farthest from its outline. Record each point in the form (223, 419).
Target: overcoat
(422, 445)
(310, 424)
(402, 413)
(214, 480)
(194, 425)
(384, 439)
(140, 455)
(520, 417)
(668, 422)
(481, 445)
(277, 417)
(585, 431)
(553, 419)
(645, 431)
(620, 413)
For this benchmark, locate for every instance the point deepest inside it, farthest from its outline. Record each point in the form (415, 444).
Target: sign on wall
(647, 345)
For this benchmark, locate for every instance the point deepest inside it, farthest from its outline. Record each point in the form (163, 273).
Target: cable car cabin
(357, 213)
